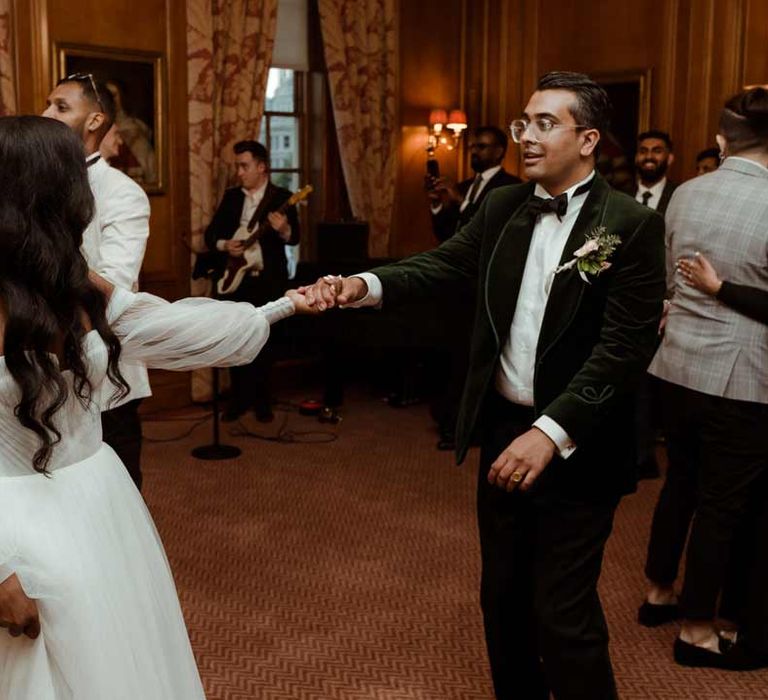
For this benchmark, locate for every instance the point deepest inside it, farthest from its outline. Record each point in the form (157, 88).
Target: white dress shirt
(514, 376)
(655, 190)
(114, 244)
(485, 176)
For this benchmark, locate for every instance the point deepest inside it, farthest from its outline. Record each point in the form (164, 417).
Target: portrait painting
(135, 145)
(629, 93)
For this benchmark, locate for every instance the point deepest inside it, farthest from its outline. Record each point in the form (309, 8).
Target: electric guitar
(252, 260)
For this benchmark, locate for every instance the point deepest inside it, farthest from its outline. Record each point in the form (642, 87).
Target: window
(281, 126)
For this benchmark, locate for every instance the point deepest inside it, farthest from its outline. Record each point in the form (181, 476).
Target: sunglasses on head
(82, 77)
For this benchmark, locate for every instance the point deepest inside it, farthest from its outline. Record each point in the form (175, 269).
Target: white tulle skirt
(84, 546)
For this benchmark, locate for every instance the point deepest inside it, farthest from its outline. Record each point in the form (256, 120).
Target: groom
(555, 359)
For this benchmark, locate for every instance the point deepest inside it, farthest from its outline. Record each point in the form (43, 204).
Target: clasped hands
(517, 467)
(329, 291)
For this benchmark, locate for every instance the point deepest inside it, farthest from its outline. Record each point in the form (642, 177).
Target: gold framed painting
(136, 81)
(630, 95)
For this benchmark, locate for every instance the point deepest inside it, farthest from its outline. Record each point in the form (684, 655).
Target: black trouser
(718, 454)
(249, 384)
(121, 428)
(744, 598)
(544, 624)
(646, 425)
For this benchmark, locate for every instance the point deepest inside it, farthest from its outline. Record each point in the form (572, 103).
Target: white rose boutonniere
(592, 257)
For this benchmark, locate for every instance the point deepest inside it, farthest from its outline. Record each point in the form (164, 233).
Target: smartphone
(433, 171)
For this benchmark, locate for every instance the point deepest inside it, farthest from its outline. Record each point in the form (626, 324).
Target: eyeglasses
(81, 77)
(541, 129)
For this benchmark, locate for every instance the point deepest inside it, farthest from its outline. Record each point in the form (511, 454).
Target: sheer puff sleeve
(191, 333)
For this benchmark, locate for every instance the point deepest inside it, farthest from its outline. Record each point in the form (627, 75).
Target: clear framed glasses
(540, 129)
(89, 77)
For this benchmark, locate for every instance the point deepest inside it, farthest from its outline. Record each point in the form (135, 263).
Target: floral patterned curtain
(229, 50)
(7, 83)
(361, 53)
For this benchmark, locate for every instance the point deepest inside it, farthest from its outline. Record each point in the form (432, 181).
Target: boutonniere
(592, 257)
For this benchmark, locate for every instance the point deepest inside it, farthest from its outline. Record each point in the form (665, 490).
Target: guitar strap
(262, 209)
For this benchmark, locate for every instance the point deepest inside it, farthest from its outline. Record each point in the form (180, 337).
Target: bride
(85, 589)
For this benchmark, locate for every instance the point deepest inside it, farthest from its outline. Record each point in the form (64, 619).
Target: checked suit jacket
(709, 346)
(596, 338)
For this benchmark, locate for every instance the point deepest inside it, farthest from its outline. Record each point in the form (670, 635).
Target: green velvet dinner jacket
(596, 340)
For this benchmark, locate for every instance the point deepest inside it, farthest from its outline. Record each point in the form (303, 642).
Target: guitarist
(255, 201)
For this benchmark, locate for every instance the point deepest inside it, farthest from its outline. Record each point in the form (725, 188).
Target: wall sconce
(445, 129)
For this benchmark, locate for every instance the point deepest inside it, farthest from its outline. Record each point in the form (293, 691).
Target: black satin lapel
(505, 270)
(567, 286)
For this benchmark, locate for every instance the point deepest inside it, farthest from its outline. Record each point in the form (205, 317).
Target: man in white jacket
(114, 242)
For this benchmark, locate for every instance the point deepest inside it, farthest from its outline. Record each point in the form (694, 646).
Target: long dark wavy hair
(46, 295)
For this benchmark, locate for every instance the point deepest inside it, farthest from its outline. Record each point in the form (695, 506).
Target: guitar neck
(262, 228)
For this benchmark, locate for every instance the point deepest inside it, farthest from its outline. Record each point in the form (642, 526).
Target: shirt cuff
(221, 244)
(277, 310)
(375, 292)
(565, 446)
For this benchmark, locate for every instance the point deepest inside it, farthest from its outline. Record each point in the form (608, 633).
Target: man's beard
(652, 176)
(478, 164)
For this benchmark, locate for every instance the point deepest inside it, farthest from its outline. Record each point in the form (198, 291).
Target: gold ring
(516, 477)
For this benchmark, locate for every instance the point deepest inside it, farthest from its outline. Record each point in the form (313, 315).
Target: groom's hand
(522, 462)
(334, 290)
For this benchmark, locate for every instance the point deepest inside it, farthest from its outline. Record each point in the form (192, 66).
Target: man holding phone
(452, 204)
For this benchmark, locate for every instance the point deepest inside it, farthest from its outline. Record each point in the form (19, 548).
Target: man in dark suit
(256, 201)
(454, 205)
(653, 158)
(556, 353)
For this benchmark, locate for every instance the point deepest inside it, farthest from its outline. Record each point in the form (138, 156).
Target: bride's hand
(18, 612)
(300, 303)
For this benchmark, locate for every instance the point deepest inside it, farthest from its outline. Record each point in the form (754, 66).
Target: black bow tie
(555, 205)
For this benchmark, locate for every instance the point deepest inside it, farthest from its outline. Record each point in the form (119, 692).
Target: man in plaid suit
(714, 364)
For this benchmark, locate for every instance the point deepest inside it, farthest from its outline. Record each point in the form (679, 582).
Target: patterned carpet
(349, 569)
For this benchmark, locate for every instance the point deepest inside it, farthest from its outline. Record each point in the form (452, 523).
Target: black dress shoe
(328, 414)
(650, 615)
(447, 441)
(733, 657)
(741, 657)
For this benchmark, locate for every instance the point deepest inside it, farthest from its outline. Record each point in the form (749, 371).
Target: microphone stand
(216, 450)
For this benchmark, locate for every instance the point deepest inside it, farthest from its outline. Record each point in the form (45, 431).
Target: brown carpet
(349, 569)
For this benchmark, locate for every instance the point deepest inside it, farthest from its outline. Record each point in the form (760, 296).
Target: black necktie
(473, 190)
(89, 163)
(556, 205)
(646, 197)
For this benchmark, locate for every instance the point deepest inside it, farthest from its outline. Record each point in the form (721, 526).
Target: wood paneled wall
(485, 56)
(147, 25)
